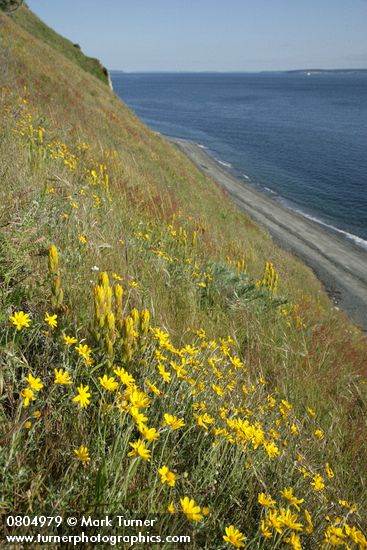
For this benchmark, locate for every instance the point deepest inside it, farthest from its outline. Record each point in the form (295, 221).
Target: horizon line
(306, 70)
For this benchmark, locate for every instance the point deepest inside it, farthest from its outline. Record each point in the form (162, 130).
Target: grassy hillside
(38, 29)
(155, 343)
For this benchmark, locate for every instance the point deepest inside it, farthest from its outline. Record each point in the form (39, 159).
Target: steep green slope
(132, 292)
(37, 28)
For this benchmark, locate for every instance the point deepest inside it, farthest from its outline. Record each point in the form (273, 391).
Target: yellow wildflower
(356, 536)
(334, 536)
(274, 520)
(266, 500)
(271, 449)
(51, 320)
(319, 434)
(171, 508)
(167, 476)
(166, 376)
(265, 530)
(153, 388)
(329, 471)
(62, 377)
(69, 340)
(139, 399)
(83, 397)
(28, 395)
(204, 419)
(138, 416)
(309, 528)
(108, 384)
(82, 454)
(347, 505)
(20, 320)
(124, 376)
(34, 383)
(174, 422)
(150, 434)
(83, 239)
(295, 541)
(288, 495)
(311, 412)
(234, 537)
(139, 449)
(294, 430)
(288, 519)
(318, 483)
(191, 510)
(85, 351)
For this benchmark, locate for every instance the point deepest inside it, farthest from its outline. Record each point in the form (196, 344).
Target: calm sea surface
(301, 138)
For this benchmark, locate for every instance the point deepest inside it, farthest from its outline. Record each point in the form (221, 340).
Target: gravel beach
(341, 266)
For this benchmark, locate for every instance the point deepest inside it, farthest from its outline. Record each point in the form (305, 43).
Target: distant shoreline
(340, 265)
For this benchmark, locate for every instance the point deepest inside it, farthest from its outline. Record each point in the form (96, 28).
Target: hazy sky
(219, 35)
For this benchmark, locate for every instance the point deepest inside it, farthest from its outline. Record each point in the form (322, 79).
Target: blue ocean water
(300, 137)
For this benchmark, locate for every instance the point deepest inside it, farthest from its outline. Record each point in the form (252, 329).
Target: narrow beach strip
(340, 265)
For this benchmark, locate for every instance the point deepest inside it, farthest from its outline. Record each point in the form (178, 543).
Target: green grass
(162, 224)
(38, 29)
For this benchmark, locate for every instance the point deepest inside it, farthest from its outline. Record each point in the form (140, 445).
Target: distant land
(328, 71)
(289, 71)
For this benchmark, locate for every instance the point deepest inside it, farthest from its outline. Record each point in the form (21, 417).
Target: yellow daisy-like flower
(139, 449)
(271, 449)
(124, 376)
(266, 500)
(116, 277)
(288, 519)
(153, 388)
(234, 537)
(51, 320)
(28, 395)
(174, 422)
(318, 483)
(167, 476)
(108, 384)
(150, 434)
(191, 510)
(70, 340)
(83, 239)
(85, 351)
(295, 541)
(34, 383)
(83, 397)
(329, 471)
(171, 508)
(20, 320)
(82, 454)
(166, 376)
(319, 434)
(28, 425)
(62, 377)
(134, 284)
(139, 399)
(138, 416)
(348, 505)
(288, 495)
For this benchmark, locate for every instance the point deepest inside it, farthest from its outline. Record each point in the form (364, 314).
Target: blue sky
(218, 35)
